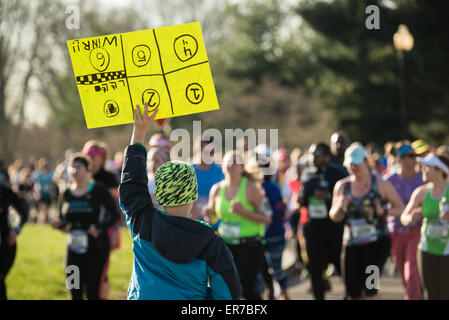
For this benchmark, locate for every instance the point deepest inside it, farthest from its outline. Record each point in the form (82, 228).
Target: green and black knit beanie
(175, 184)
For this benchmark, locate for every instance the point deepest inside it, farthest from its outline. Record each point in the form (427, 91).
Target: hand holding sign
(142, 123)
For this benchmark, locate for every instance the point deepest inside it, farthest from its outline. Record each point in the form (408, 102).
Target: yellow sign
(164, 67)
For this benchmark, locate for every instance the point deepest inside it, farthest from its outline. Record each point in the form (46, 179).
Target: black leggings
(7, 255)
(294, 222)
(249, 259)
(323, 244)
(434, 273)
(356, 260)
(91, 266)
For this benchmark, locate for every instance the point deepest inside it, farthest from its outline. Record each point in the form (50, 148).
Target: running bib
(361, 229)
(78, 241)
(229, 230)
(317, 211)
(437, 231)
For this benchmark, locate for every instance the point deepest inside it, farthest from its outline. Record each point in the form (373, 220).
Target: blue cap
(404, 149)
(355, 154)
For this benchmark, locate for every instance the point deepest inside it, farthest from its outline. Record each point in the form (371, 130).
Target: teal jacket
(175, 258)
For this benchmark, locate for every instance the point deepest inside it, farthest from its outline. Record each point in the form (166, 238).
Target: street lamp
(403, 42)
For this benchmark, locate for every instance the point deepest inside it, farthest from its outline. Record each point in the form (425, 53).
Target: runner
(237, 202)
(45, 190)
(87, 210)
(174, 257)
(26, 187)
(357, 202)
(274, 234)
(283, 164)
(294, 210)
(96, 150)
(340, 141)
(422, 148)
(429, 204)
(61, 175)
(8, 234)
(207, 174)
(443, 151)
(323, 236)
(390, 166)
(404, 240)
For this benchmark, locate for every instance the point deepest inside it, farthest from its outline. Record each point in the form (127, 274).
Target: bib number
(317, 211)
(229, 230)
(437, 231)
(78, 241)
(361, 229)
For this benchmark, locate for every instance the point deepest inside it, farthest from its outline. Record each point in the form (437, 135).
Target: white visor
(432, 160)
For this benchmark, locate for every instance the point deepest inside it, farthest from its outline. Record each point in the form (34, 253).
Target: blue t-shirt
(276, 228)
(207, 178)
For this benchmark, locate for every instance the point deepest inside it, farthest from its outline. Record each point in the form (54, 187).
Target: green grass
(38, 270)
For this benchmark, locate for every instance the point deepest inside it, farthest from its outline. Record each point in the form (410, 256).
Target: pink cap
(94, 151)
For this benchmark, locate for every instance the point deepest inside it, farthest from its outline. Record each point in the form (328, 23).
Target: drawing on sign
(111, 108)
(194, 93)
(99, 59)
(101, 77)
(141, 55)
(186, 47)
(113, 85)
(151, 97)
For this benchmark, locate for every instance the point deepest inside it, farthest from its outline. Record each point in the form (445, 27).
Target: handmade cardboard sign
(164, 67)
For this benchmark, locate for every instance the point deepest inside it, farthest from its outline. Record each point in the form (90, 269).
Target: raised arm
(134, 197)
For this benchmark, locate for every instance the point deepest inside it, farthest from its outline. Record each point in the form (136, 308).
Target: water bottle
(444, 206)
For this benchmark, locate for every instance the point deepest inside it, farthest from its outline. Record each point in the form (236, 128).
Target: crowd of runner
(348, 207)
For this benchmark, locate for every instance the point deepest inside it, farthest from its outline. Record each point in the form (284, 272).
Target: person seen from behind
(175, 257)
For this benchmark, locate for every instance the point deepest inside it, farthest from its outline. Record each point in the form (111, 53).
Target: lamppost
(403, 42)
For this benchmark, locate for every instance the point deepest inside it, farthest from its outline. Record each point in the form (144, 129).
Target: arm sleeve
(135, 200)
(223, 275)
(19, 205)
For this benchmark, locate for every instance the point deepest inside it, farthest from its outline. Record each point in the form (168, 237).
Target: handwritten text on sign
(164, 67)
